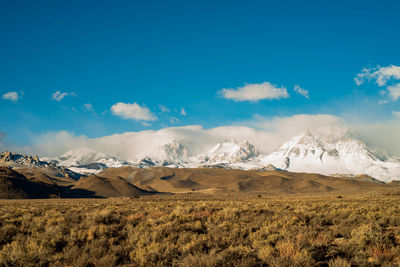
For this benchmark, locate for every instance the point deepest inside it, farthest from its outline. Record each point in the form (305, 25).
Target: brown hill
(16, 185)
(32, 182)
(47, 175)
(163, 179)
(105, 187)
(36, 182)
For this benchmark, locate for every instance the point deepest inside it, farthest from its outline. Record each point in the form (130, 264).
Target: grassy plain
(203, 230)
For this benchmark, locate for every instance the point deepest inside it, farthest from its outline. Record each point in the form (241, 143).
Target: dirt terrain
(39, 182)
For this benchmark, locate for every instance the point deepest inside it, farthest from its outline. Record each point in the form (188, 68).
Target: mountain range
(85, 160)
(328, 151)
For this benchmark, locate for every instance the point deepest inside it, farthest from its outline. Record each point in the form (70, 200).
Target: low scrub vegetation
(201, 231)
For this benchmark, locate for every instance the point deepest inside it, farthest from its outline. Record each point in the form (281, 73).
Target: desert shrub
(7, 233)
(198, 230)
(106, 217)
(339, 262)
(24, 253)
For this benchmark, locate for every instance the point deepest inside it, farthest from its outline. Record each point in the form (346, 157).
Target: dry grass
(201, 231)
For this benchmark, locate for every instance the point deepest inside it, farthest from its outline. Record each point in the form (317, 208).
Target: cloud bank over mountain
(265, 133)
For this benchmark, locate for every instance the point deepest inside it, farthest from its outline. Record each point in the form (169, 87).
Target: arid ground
(203, 230)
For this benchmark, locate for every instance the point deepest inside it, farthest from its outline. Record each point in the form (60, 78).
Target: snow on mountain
(172, 154)
(333, 150)
(86, 160)
(229, 151)
(329, 150)
(14, 159)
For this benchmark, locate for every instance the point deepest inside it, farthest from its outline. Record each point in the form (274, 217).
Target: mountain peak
(331, 150)
(80, 156)
(8, 158)
(172, 153)
(87, 160)
(230, 151)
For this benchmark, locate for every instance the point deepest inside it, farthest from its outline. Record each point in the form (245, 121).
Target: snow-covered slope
(229, 154)
(17, 161)
(323, 150)
(172, 154)
(14, 160)
(86, 160)
(333, 150)
(229, 151)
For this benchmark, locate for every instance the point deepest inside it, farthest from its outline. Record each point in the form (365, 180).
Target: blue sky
(181, 55)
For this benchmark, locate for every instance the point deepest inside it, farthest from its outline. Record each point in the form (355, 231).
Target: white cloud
(281, 129)
(164, 108)
(394, 91)
(301, 91)
(396, 114)
(384, 135)
(365, 74)
(173, 120)
(266, 134)
(183, 112)
(133, 111)
(255, 92)
(58, 95)
(380, 74)
(89, 107)
(145, 123)
(53, 143)
(12, 96)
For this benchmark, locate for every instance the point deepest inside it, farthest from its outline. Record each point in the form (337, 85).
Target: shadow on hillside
(68, 192)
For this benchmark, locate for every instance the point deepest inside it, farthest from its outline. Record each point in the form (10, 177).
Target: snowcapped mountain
(16, 161)
(172, 154)
(333, 150)
(229, 151)
(86, 160)
(328, 150)
(229, 154)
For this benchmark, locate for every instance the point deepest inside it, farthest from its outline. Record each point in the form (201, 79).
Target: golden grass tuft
(198, 230)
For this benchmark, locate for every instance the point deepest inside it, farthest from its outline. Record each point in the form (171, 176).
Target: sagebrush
(201, 231)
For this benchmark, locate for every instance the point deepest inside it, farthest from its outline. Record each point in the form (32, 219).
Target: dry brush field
(202, 231)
